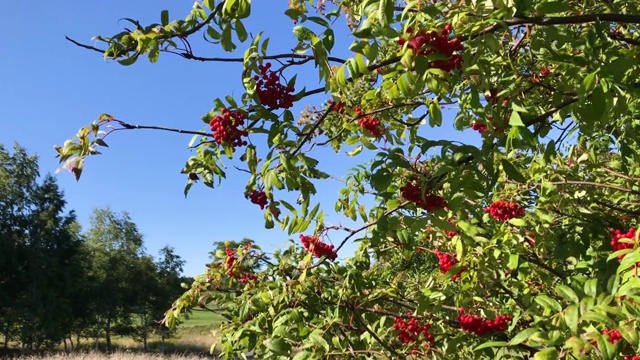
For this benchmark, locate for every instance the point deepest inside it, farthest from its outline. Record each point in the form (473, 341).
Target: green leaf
(551, 7)
(491, 344)
(597, 318)
(515, 119)
(548, 302)
(571, 317)
(355, 151)
(547, 354)
(278, 346)
(629, 333)
(241, 31)
(303, 355)
(517, 222)
(589, 83)
(591, 287)
(567, 293)
(435, 115)
(512, 172)
(316, 338)
(164, 17)
(523, 336)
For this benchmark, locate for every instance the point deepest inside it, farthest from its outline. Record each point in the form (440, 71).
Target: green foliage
(552, 87)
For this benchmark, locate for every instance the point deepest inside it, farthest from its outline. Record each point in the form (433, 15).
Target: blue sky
(51, 88)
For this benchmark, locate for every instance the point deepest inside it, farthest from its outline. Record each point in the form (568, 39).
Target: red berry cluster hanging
(317, 247)
(613, 335)
(369, 123)
(226, 128)
(616, 244)
(428, 202)
(451, 233)
(247, 277)
(410, 331)
(230, 262)
(446, 262)
(271, 92)
(259, 197)
(339, 107)
(503, 211)
(439, 43)
(481, 326)
(231, 259)
(632, 357)
(479, 127)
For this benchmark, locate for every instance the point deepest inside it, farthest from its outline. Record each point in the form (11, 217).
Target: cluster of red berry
(270, 91)
(226, 128)
(259, 198)
(339, 108)
(317, 247)
(429, 202)
(613, 335)
(451, 233)
(497, 126)
(410, 331)
(479, 127)
(247, 277)
(446, 262)
(632, 357)
(439, 43)
(373, 126)
(481, 326)
(503, 211)
(544, 72)
(231, 259)
(616, 235)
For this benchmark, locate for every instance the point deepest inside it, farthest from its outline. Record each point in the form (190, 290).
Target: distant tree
(116, 246)
(40, 256)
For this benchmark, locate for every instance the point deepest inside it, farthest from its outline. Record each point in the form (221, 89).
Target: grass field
(121, 355)
(200, 317)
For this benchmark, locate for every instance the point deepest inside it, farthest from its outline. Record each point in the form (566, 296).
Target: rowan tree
(521, 244)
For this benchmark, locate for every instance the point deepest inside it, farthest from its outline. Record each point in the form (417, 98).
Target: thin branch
(590, 183)
(539, 263)
(617, 208)
(370, 224)
(188, 55)
(374, 335)
(551, 111)
(551, 20)
(152, 127)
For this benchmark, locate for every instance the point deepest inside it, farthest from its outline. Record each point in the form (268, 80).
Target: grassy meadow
(192, 340)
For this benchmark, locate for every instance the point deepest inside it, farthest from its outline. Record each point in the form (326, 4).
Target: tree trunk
(144, 336)
(97, 338)
(71, 342)
(66, 349)
(6, 337)
(108, 335)
(162, 343)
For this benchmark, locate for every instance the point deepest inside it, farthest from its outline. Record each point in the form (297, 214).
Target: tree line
(60, 284)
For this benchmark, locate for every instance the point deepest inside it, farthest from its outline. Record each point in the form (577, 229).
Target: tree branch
(550, 20)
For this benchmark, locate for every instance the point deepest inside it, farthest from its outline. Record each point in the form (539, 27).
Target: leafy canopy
(512, 229)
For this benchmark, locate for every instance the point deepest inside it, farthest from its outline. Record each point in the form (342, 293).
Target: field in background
(192, 340)
(202, 318)
(113, 356)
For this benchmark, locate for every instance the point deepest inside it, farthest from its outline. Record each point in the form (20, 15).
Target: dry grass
(121, 355)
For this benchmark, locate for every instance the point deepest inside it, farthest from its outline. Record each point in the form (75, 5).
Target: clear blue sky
(51, 88)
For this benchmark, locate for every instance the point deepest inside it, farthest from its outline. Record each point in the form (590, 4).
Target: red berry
(317, 247)
(259, 198)
(270, 91)
(503, 211)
